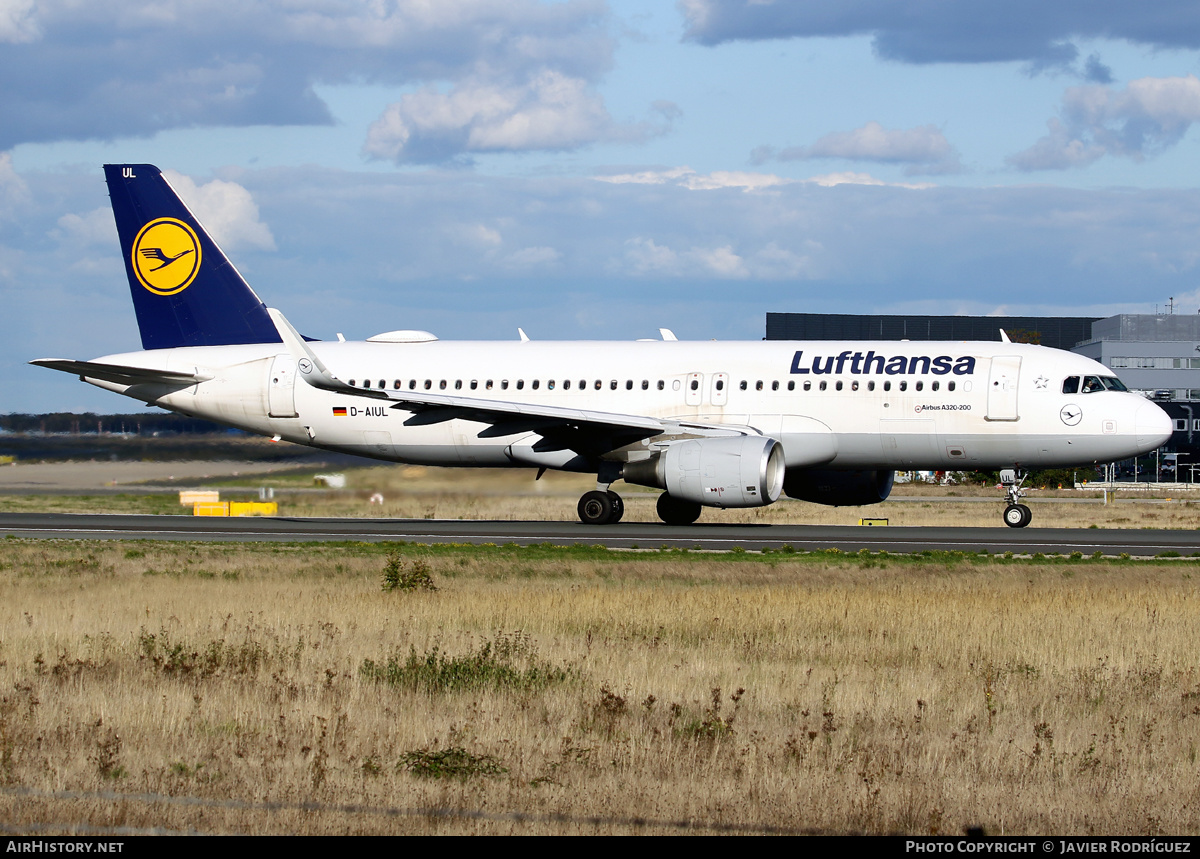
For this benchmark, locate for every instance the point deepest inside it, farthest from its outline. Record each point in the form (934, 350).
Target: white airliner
(713, 424)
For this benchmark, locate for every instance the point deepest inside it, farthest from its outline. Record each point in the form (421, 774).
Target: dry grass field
(283, 689)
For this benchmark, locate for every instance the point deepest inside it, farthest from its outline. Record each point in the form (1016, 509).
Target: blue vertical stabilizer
(185, 292)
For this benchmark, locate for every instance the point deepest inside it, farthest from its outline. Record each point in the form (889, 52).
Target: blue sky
(595, 169)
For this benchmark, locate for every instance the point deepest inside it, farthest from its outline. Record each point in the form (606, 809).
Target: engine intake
(838, 488)
(742, 471)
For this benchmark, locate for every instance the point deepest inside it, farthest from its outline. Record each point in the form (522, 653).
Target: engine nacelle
(838, 488)
(742, 471)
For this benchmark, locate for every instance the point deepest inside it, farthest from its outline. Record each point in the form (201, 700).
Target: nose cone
(1153, 427)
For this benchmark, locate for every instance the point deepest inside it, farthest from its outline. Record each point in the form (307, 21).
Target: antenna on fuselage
(1004, 337)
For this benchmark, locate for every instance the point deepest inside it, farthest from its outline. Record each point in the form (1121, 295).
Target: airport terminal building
(1158, 354)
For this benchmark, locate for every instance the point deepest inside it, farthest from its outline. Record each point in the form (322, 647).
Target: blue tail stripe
(185, 292)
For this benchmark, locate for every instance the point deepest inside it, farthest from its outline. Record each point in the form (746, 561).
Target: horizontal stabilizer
(118, 373)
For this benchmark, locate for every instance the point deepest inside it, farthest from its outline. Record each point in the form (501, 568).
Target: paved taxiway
(625, 535)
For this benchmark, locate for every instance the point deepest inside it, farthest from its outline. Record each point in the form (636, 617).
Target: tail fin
(185, 292)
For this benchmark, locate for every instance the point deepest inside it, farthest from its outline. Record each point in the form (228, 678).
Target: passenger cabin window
(412, 384)
(1071, 385)
(612, 386)
(904, 386)
(920, 386)
(758, 385)
(792, 385)
(645, 384)
(660, 384)
(887, 386)
(458, 384)
(504, 384)
(823, 386)
(949, 386)
(854, 385)
(474, 384)
(838, 386)
(428, 384)
(871, 386)
(774, 386)
(520, 384)
(808, 386)
(442, 385)
(629, 384)
(742, 385)
(382, 384)
(535, 384)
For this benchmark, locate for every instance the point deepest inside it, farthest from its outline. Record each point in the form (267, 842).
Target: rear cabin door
(1002, 388)
(281, 388)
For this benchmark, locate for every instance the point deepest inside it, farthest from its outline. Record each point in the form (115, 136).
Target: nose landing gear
(1015, 515)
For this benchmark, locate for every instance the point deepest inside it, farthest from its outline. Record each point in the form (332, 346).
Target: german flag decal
(339, 411)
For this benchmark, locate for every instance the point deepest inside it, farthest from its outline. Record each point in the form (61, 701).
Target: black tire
(676, 512)
(595, 508)
(618, 507)
(1014, 516)
(1027, 513)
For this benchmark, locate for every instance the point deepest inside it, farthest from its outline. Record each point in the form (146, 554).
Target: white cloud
(644, 257)
(226, 210)
(13, 190)
(532, 257)
(689, 178)
(549, 112)
(1149, 116)
(829, 180)
(17, 23)
(924, 148)
(94, 228)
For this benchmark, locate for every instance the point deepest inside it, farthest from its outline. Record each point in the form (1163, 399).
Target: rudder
(185, 292)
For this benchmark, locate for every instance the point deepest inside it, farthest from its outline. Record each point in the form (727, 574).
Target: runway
(632, 535)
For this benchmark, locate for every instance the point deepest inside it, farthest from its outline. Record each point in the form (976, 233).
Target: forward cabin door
(281, 388)
(1002, 388)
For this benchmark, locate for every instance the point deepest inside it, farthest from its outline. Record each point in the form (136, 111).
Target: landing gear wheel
(618, 508)
(676, 512)
(596, 508)
(1017, 516)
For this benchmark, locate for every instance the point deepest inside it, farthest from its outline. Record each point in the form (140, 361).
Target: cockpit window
(1092, 384)
(1071, 385)
(1113, 383)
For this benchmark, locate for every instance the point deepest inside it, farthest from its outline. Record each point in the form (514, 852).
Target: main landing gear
(601, 507)
(605, 507)
(1015, 515)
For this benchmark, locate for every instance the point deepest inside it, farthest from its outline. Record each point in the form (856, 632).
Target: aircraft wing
(581, 430)
(118, 373)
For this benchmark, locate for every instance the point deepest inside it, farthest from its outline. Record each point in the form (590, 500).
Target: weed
(492, 666)
(453, 762)
(712, 725)
(402, 575)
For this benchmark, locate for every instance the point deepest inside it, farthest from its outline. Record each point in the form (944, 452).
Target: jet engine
(838, 488)
(742, 471)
